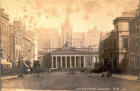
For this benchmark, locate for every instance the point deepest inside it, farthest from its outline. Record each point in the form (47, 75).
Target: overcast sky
(84, 15)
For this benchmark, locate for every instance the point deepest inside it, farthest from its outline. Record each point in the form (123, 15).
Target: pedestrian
(36, 68)
(20, 67)
(31, 70)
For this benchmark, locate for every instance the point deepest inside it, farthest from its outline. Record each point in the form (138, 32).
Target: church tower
(138, 10)
(66, 28)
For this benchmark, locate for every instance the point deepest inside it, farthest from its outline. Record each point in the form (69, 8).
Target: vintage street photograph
(69, 45)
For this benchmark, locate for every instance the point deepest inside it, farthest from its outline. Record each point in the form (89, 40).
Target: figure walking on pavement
(37, 68)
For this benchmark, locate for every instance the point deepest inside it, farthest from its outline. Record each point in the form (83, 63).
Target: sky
(84, 14)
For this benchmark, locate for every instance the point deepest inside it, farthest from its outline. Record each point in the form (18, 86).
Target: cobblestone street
(68, 81)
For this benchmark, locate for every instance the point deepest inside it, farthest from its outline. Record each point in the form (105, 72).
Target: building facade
(53, 39)
(92, 37)
(115, 47)
(48, 39)
(4, 41)
(21, 43)
(121, 25)
(70, 58)
(134, 42)
(78, 39)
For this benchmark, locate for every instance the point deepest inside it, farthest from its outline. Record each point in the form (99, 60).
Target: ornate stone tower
(66, 28)
(138, 10)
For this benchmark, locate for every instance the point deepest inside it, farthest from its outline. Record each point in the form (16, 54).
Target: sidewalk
(126, 77)
(9, 77)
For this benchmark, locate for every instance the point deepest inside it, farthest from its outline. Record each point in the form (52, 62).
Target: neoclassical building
(70, 57)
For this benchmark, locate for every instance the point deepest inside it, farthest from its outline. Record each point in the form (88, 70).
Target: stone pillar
(134, 63)
(94, 59)
(70, 62)
(79, 61)
(61, 62)
(52, 61)
(56, 62)
(84, 62)
(66, 62)
(75, 61)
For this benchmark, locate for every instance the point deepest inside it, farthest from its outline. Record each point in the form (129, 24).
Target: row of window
(27, 46)
(135, 63)
(125, 42)
(134, 29)
(134, 44)
(4, 33)
(4, 29)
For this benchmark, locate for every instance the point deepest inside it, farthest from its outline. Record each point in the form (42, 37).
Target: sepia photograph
(69, 45)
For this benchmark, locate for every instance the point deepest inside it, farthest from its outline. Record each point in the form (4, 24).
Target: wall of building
(4, 34)
(21, 43)
(134, 53)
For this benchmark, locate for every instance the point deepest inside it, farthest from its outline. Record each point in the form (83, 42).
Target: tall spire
(138, 10)
(139, 5)
(68, 10)
(66, 27)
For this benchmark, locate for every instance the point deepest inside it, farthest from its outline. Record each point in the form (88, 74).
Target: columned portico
(69, 59)
(67, 62)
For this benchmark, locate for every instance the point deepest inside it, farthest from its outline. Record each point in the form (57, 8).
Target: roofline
(122, 19)
(135, 18)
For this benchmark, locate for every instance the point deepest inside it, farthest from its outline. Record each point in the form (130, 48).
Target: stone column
(75, 61)
(61, 62)
(79, 61)
(66, 62)
(84, 62)
(134, 63)
(70, 62)
(52, 61)
(94, 59)
(56, 62)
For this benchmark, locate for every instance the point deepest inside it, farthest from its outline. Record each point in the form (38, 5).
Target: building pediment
(70, 50)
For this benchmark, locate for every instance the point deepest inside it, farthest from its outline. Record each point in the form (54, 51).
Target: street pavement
(69, 81)
(127, 77)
